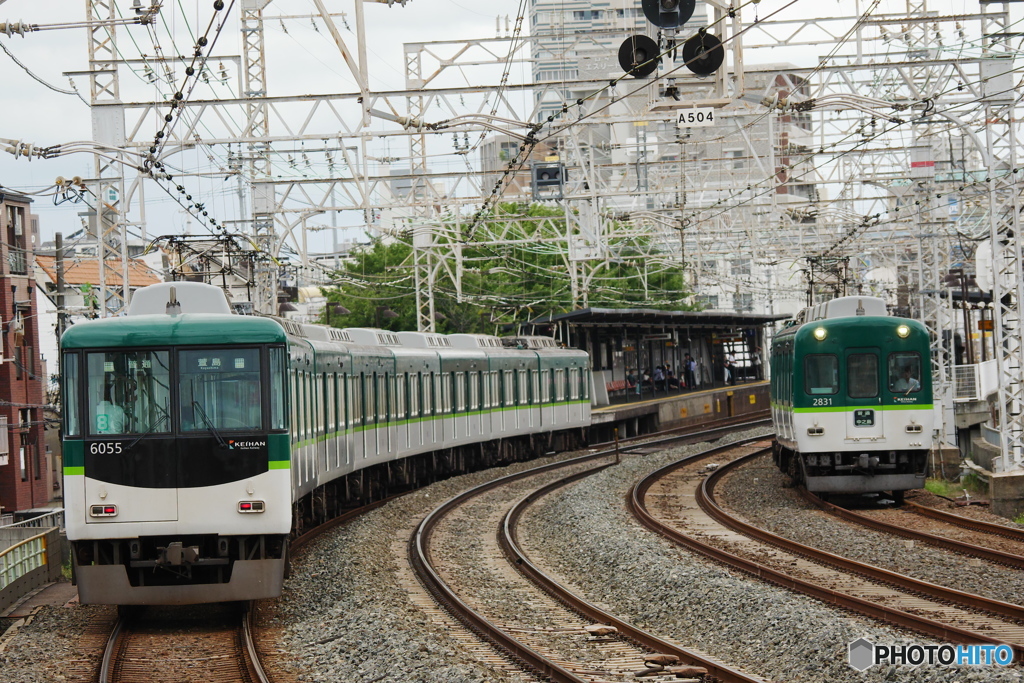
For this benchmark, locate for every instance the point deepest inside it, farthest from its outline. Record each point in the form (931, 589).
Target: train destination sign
(697, 117)
(863, 418)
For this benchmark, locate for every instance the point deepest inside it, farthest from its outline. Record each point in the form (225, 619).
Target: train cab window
(821, 374)
(220, 389)
(904, 372)
(128, 392)
(862, 375)
(69, 388)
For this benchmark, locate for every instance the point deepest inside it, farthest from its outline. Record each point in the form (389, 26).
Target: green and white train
(197, 441)
(851, 397)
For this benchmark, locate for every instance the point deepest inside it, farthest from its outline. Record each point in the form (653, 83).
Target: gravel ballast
(345, 615)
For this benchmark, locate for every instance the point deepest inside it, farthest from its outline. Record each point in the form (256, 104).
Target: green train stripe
(279, 464)
(359, 429)
(72, 471)
(850, 409)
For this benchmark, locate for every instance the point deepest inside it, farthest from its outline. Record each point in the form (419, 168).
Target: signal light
(249, 506)
(668, 13)
(103, 511)
(638, 56)
(703, 53)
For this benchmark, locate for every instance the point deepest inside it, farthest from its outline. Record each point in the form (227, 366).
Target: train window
(358, 400)
(69, 388)
(128, 392)
(508, 391)
(414, 394)
(384, 412)
(904, 372)
(329, 402)
(219, 389)
(278, 404)
(370, 399)
(559, 385)
(862, 375)
(400, 397)
(296, 423)
(821, 374)
(473, 379)
(460, 391)
(427, 384)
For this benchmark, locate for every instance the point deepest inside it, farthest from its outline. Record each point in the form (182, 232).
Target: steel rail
(509, 541)
(967, 522)
(827, 595)
(253, 664)
(953, 545)
(419, 558)
(705, 499)
(109, 660)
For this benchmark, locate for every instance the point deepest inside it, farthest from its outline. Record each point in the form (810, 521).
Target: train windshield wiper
(149, 431)
(209, 424)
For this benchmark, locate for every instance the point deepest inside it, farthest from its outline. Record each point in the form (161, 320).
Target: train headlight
(820, 333)
(903, 331)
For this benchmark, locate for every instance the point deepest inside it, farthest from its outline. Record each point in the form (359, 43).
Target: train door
(863, 395)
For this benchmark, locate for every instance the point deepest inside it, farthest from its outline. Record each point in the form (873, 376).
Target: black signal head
(638, 56)
(703, 54)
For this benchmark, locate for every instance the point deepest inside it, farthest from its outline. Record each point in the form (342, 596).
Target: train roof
(844, 307)
(172, 330)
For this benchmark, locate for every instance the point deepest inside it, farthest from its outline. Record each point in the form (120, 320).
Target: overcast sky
(301, 59)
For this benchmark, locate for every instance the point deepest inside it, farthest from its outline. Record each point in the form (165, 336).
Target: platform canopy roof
(646, 317)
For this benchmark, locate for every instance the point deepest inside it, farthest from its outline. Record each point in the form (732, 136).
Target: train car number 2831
(822, 402)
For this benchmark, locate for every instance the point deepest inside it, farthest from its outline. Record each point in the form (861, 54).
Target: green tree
(526, 277)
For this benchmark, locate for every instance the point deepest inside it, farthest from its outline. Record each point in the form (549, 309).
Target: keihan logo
(246, 445)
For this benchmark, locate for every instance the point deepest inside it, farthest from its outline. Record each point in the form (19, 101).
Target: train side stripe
(848, 409)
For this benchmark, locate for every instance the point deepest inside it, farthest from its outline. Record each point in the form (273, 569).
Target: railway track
(1004, 546)
(527, 616)
(678, 502)
(209, 643)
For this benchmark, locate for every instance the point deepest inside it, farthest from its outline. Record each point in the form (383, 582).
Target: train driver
(109, 417)
(906, 383)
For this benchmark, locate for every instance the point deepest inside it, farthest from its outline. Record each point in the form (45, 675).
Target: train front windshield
(219, 389)
(128, 392)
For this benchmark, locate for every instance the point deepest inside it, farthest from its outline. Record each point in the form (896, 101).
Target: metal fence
(31, 555)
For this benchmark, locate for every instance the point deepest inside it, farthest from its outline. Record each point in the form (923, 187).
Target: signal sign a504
(691, 118)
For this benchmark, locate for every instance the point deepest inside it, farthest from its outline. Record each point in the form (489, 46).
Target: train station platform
(649, 412)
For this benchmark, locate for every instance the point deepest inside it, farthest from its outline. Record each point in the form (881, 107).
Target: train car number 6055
(105, 448)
